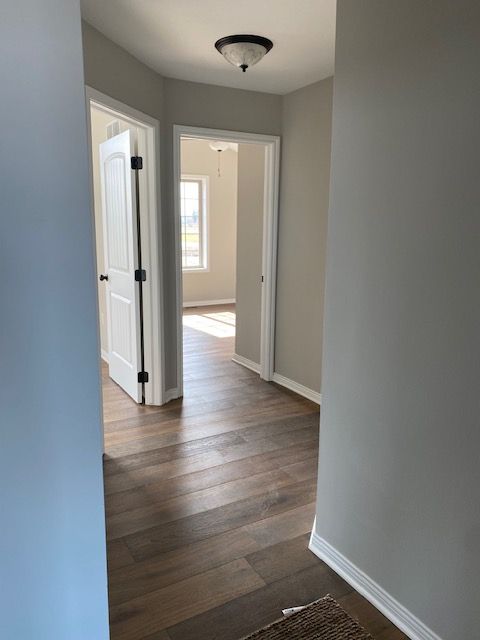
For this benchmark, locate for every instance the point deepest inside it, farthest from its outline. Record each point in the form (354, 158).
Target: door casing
(270, 239)
(151, 236)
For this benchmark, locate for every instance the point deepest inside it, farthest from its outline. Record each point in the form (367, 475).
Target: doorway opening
(226, 212)
(125, 198)
(208, 227)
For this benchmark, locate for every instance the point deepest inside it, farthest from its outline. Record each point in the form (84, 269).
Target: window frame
(203, 217)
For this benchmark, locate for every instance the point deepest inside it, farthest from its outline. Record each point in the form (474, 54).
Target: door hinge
(261, 279)
(143, 376)
(140, 275)
(136, 162)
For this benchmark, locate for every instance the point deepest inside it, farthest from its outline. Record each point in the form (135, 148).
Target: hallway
(210, 501)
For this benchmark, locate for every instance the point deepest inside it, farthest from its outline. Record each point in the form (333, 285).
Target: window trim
(204, 216)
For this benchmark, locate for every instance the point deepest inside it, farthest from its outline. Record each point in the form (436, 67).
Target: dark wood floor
(210, 502)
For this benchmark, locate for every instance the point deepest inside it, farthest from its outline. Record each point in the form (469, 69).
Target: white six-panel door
(121, 249)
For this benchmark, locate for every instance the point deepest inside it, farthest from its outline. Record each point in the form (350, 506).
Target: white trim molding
(310, 394)
(204, 222)
(245, 362)
(104, 355)
(209, 303)
(270, 234)
(401, 617)
(269, 258)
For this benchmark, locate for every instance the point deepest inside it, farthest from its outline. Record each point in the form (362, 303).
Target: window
(193, 213)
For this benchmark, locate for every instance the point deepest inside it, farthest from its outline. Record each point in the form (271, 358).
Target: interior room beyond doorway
(222, 198)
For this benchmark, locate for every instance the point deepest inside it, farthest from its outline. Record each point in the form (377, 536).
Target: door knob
(102, 277)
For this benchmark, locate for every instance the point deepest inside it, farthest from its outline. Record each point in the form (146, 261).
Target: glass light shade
(243, 51)
(218, 145)
(243, 54)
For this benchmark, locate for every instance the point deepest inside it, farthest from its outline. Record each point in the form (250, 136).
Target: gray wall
(304, 191)
(53, 571)
(112, 70)
(399, 481)
(250, 197)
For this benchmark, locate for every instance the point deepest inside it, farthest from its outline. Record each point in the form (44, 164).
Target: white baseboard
(374, 593)
(170, 394)
(104, 356)
(245, 362)
(310, 394)
(209, 303)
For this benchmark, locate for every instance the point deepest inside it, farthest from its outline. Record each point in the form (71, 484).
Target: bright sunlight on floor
(220, 325)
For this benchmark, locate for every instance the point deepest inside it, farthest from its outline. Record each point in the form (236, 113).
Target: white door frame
(270, 235)
(149, 148)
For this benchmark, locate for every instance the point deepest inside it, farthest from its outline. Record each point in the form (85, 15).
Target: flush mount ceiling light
(219, 145)
(243, 51)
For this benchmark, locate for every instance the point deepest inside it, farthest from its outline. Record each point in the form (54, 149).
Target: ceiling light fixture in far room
(219, 146)
(243, 51)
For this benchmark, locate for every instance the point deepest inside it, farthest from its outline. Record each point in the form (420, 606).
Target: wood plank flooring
(210, 501)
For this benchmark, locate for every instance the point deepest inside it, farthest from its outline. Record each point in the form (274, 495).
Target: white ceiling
(176, 38)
